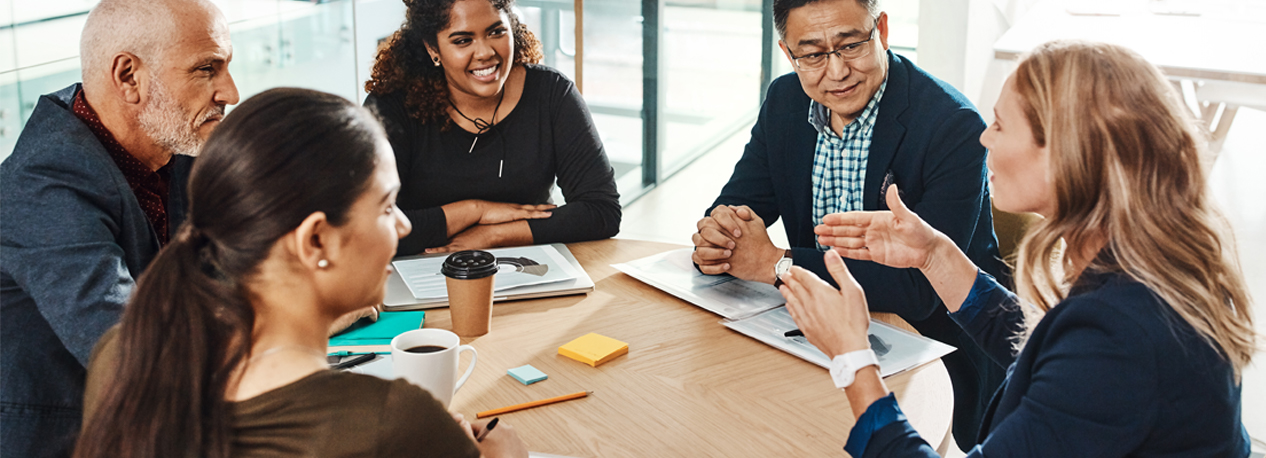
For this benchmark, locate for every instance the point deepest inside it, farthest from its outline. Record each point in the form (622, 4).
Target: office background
(674, 86)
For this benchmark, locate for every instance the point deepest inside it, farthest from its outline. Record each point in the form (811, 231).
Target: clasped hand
(733, 240)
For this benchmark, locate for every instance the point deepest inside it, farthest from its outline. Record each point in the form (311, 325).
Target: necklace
(479, 123)
(275, 350)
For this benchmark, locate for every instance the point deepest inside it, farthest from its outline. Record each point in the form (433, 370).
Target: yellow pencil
(529, 405)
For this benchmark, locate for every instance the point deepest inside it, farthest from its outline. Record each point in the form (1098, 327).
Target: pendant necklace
(479, 123)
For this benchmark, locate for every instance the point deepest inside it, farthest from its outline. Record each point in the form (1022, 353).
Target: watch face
(783, 266)
(845, 379)
(842, 374)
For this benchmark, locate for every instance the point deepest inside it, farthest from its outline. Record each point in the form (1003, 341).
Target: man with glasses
(852, 120)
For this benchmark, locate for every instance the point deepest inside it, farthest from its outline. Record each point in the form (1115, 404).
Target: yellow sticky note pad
(593, 349)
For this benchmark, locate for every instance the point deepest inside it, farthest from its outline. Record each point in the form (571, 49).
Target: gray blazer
(73, 239)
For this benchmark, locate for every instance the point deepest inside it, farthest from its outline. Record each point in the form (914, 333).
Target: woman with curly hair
(481, 133)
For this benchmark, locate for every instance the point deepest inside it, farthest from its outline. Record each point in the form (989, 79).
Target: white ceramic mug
(434, 371)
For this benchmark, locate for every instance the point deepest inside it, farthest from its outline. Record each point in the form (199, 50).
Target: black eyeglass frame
(838, 52)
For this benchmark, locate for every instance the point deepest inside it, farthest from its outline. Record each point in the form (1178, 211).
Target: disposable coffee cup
(469, 276)
(428, 358)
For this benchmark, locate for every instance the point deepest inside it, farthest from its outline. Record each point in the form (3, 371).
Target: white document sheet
(674, 273)
(519, 266)
(898, 350)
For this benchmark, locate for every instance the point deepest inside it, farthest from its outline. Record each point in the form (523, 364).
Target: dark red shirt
(150, 187)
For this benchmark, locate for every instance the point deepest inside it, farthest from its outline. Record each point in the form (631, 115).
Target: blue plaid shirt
(839, 163)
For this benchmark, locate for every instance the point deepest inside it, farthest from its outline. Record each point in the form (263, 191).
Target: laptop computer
(399, 297)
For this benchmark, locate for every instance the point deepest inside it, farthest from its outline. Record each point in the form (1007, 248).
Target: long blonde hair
(1126, 164)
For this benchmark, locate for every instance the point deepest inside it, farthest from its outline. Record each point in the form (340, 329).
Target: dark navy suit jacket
(927, 138)
(1109, 372)
(73, 239)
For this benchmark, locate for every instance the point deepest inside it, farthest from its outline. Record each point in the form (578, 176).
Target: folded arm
(584, 175)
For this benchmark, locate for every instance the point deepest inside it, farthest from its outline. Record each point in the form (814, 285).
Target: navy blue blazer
(72, 240)
(927, 137)
(1109, 372)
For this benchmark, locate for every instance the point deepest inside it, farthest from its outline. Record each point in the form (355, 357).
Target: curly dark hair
(404, 65)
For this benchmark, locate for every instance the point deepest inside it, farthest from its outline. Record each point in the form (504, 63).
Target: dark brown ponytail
(279, 157)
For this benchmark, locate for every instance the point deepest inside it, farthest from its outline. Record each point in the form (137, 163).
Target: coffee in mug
(469, 276)
(429, 358)
(425, 349)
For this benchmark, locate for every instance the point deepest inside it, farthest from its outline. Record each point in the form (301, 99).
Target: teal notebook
(388, 326)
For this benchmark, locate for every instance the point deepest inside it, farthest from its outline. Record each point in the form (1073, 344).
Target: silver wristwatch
(781, 268)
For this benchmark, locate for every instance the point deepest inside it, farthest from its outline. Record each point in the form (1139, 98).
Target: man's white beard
(167, 123)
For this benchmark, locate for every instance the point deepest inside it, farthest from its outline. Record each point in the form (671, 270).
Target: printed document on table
(519, 266)
(674, 273)
(898, 350)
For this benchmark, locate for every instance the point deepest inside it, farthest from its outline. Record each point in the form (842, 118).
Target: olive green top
(326, 414)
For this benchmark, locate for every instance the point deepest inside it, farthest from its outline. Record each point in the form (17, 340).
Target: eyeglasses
(848, 52)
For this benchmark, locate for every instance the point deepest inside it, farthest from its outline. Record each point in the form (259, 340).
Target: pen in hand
(353, 362)
(491, 424)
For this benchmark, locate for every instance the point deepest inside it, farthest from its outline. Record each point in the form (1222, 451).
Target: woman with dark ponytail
(221, 351)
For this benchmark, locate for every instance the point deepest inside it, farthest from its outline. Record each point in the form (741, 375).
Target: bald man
(92, 191)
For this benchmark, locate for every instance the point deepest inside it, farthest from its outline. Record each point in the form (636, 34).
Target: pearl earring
(323, 263)
(436, 60)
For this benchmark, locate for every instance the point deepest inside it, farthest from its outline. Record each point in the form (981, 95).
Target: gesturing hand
(835, 321)
(896, 238)
(500, 212)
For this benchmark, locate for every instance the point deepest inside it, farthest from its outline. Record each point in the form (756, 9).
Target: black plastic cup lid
(470, 265)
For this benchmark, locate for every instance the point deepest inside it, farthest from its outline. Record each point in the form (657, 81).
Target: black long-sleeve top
(548, 136)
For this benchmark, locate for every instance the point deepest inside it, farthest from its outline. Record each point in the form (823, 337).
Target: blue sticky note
(527, 374)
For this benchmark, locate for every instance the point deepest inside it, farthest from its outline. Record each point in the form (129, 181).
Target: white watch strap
(844, 367)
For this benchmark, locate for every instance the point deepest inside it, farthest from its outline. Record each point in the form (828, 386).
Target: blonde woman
(1132, 320)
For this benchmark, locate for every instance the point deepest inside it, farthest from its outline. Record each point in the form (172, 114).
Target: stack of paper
(674, 273)
(519, 267)
(755, 309)
(897, 349)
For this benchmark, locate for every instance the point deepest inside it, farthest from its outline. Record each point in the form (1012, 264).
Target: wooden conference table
(689, 386)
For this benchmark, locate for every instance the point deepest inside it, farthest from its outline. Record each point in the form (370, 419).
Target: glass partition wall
(666, 80)
(324, 45)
